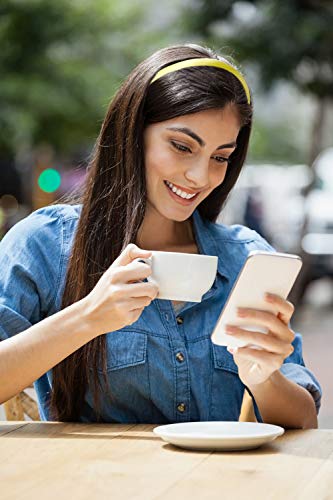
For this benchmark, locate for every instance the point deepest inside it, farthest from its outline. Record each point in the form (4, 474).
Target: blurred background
(61, 62)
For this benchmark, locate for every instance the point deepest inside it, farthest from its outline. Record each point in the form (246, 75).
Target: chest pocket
(223, 360)
(126, 397)
(125, 348)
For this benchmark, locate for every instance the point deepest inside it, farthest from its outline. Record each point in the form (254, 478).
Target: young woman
(77, 314)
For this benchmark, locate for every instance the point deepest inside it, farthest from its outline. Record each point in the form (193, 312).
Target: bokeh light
(9, 204)
(49, 180)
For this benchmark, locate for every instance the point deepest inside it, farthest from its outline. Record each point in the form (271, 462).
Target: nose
(197, 174)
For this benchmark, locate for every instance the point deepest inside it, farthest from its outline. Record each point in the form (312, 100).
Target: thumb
(131, 253)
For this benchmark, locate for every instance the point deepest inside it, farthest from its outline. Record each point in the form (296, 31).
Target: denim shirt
(164, 367)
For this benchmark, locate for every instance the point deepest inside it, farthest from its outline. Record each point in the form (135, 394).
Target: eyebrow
(200, 141)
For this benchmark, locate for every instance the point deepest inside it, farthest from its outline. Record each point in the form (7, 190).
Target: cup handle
(148, 261)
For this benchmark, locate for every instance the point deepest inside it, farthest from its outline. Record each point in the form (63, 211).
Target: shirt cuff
(303, 377)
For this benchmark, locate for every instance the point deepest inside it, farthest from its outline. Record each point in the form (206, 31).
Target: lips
(179, 199)
(185, 190)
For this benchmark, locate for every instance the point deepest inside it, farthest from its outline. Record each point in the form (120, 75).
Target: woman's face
(188, 153)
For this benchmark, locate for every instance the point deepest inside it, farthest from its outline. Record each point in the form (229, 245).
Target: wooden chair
(22, 405)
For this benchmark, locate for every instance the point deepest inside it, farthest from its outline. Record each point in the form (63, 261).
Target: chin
(178, 216)
(172, 213)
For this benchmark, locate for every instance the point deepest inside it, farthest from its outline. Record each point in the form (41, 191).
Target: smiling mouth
(181, 193)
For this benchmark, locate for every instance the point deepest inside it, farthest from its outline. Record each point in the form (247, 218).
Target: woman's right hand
(117, 300)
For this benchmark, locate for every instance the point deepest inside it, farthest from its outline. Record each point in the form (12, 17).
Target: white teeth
(179, 192)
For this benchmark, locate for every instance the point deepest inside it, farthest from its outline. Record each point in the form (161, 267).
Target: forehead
(212, 125)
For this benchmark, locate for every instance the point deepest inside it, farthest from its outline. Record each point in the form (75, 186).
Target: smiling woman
(84, 323)
(190, 156)
(186, 158)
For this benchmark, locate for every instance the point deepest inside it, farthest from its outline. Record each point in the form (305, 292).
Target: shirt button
(181, 407)
(179, 320)
(180, 357)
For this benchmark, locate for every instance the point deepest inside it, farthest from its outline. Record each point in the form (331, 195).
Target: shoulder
(238, 235)
(60, 214)
(33, 258)
(47, 222)
(45, 236)
(232, 244)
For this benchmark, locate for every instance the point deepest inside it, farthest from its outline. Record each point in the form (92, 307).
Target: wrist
(87, 326)
(273, 380)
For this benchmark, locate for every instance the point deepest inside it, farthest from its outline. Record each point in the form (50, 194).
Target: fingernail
(268, 297)
(241, 312)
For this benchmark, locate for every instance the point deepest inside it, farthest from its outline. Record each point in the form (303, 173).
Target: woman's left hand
(255, 366)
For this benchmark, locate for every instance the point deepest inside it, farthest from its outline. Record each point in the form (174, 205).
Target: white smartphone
(262, 272)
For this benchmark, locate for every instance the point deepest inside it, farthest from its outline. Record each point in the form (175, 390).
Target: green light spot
(49, 180)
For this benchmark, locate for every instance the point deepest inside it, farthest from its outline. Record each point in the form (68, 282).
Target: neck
(158, 233)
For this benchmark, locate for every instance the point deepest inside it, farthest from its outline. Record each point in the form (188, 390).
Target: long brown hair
(114, 195)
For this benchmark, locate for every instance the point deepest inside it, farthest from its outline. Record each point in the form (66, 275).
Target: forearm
(283, 402)
(31, 353)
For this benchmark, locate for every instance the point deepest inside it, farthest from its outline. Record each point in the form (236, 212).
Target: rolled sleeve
(295, 370)
(30, 259)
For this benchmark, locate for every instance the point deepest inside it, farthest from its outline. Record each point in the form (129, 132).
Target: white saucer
(218, 435)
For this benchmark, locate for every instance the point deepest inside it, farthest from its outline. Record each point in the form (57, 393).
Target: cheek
(158, 165)
(218, 175)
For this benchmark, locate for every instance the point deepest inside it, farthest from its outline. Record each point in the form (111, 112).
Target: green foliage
(291, 41)
(285, 40)
(274, 143)
(61, 62)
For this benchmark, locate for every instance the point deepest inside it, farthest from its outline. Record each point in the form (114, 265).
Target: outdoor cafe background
(61, 62)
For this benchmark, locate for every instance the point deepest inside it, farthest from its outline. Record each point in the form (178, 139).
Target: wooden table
(47, 461)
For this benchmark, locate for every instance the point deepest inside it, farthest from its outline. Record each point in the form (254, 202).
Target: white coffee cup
(182, 276)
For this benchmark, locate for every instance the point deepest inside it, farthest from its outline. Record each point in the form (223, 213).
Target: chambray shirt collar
(204, 235)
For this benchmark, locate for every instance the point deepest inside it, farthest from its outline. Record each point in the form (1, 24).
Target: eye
(180, 147)
(185, 149)
(221, 159)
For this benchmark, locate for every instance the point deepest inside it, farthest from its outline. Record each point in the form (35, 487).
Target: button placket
(182, 392)
(181, 397)
(180, 357)
(181, 407)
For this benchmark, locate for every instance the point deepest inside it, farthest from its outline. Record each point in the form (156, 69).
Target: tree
(61, 62)
(284, 40)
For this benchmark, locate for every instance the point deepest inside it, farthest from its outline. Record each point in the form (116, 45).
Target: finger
(140, 290)
(135, 315)
(284, 308)
(137, 303)
(258, 356)
(133, 272)
(255, 317)
(267, 341)
(130, 253)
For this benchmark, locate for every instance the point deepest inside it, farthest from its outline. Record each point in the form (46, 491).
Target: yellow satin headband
(205, 61)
